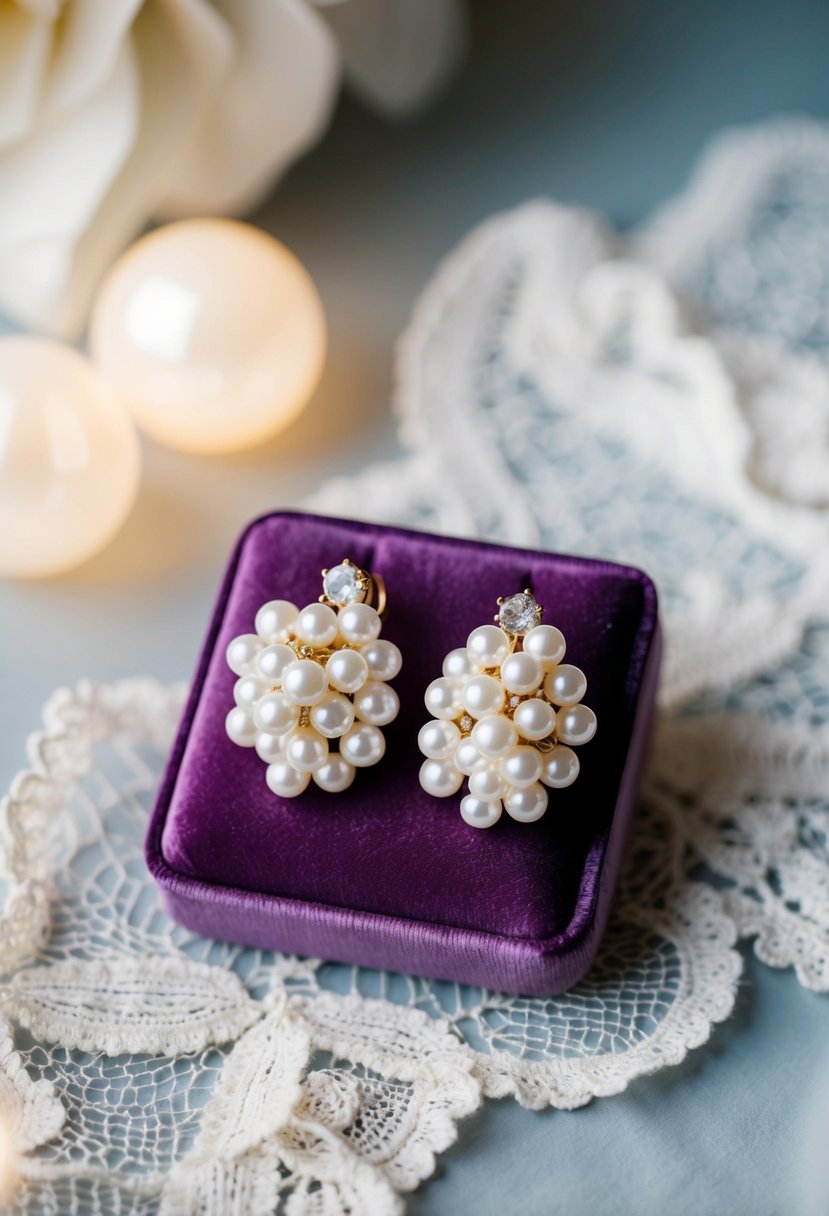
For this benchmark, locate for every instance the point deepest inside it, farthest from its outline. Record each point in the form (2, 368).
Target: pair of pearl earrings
(506, 713)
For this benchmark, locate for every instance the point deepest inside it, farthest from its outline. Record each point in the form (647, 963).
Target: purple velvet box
(383, 874)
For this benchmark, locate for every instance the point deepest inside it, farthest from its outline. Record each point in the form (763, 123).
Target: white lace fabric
(643, 401)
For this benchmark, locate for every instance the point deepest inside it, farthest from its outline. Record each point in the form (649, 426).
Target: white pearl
(347, 670)
(575, 724)
(212, 332)
(488, 784)
(286, 781)
(317, 625)
(458, 664)
(248, 689)
(521, 673)
(494, 736)
(561, 767)
(376, 703)
(565, 685)
(528, 804)
(276, 619)
(523, 767)
(545, 643)
(69, 455)
(363, 745)
(438, 739)
(271, 748)
(335, 775)
(440, 778)
(383, 658)
(480, 814)
(359, 623)
(467, 758)
(305, 682)
(483, 695)
(241, 653)
(488, 646)
(535, 719)
(333, 715)
(275, 714)
(306, 750)
(240, 727)
(443, 698)
(272, 661)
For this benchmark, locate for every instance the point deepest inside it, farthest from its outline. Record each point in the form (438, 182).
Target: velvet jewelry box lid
(383, 874)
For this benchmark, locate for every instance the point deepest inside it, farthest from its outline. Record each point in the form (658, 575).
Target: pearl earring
(312, 693)
(506, 713)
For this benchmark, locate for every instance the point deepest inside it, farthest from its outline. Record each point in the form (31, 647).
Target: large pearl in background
(213, 333)
(69, 459)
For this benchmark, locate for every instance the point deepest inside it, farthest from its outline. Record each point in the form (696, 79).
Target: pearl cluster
(506, 713)
(309, 679)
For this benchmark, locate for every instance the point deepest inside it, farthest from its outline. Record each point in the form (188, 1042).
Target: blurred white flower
(116, 111)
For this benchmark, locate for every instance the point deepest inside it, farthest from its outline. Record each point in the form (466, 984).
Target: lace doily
(146, 1070)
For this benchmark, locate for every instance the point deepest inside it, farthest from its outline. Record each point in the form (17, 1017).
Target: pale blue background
(602, 104)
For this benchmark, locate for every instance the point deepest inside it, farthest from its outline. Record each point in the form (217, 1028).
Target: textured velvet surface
(384, 863)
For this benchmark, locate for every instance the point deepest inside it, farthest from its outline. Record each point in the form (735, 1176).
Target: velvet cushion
(384, 849)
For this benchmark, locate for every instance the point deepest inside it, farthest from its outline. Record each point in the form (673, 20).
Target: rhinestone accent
(519, 614)
(465, 723)
(342, 585)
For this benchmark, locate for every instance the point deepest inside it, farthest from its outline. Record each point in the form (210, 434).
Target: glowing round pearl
(286, 781)
(383, 658)
(376, 703)
(305, 682)
(521, 673)
(275, 714)
(467, 758)
(335, 775)
(272, 661)
(494, 736)
(480, 814)
(240, 727)
(248, 689)
(534, 719)
(488, 784)
(333, 715)
(275, 620)
(359, 623)
(363, 745)
(438, 739)
(528, 804)
(545, 643)
(487, 646)
(271, 748)
(241, 653)
(523, 766)
(440, 778)
(561, 767)
(458, 664)
(69, 459)
(443, 698)
(212, 331)
(317, 625)
(306, 750)
(575, 724)
(347, 670)
(483, 695)
(565, 685)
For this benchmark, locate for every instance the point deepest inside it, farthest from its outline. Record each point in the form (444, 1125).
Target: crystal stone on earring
(519, 614)
(341, 585)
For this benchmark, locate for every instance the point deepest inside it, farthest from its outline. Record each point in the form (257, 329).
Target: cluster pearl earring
(312, 691)
(506, 714)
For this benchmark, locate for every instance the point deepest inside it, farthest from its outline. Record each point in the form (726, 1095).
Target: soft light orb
(213, 333)
(69, 458)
